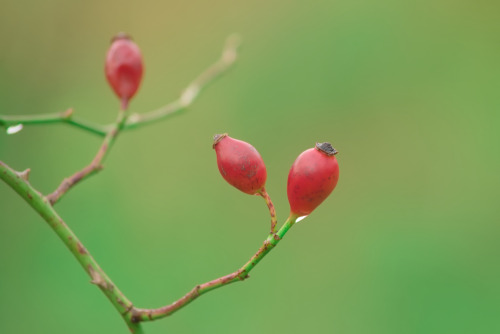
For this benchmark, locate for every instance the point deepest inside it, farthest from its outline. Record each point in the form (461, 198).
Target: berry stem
(272, 211)
(95, 165)
(241, 274)
(124, 103)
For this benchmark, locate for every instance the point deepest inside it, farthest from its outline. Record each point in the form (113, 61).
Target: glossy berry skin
(240, 164)
(124, 68)
(313, 176)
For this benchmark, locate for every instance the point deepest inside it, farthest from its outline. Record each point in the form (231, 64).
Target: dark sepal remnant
(218, 138)
(326, 148)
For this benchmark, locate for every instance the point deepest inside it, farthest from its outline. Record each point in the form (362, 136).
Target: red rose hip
(240, 164)
(313, 176)
(124, 68)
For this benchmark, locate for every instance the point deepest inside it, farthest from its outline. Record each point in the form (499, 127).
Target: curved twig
(44, 204)
(228, 57)
(94, 166)
(241, 274)
(132, 315)
(19, 182)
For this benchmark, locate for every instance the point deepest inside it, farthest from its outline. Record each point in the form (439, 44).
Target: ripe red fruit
(313, 176)
(124, 67)
(240, 164)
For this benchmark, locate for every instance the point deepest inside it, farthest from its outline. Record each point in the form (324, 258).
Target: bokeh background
(407, 91)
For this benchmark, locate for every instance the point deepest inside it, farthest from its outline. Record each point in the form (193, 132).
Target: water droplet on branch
(14, 129)
(300, 218)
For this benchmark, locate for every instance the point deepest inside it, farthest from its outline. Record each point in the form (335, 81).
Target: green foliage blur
(407, 91)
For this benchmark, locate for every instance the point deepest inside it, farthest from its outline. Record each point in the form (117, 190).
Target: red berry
(240, 164)
(124, 67)
(313, 176)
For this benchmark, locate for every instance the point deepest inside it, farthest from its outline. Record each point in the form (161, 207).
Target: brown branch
(94, 166)
(270, 206)
(241, 274)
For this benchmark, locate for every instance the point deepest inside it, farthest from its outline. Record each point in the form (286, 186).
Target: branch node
(130, 308)
(188, 95)
(97, 278)
(135, 316)
(242, 275)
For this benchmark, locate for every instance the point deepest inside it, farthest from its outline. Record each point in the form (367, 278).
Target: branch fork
(44, 205)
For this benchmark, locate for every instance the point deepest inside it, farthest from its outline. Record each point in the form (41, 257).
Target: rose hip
(124, 68)
(313, 176)
(240, 164)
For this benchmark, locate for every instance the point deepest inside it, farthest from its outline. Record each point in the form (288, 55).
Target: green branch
(132, 315)
(62, 117)
(19, 182)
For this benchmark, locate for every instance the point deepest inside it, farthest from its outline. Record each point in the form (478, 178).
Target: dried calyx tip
(218, 138)
(326, 148)
(121, 35)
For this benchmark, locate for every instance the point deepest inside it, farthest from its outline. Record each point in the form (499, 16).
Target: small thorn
(25, 174)
(68, 113)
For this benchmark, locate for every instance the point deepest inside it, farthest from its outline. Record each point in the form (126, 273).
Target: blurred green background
(407, 91)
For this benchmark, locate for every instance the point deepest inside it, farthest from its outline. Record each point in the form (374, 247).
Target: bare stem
(241, 274)
(19, 182)
(272, 211)
(228, 57)
(95, 165)
(61, 117)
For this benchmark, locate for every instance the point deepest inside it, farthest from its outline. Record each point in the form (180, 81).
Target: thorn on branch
(68, 113)
(229, 54)
(25, 174)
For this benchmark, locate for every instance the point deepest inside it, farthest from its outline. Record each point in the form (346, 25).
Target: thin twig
(228, 57)
(274, 221)
(241, 274)
(61, 117)
(94, 166)
(132, 315)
